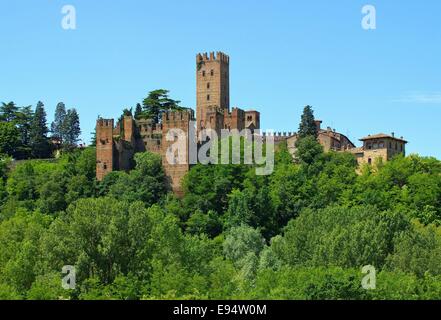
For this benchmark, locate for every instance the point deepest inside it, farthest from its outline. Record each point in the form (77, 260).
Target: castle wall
(149, 137)
(176, 171)
(128, 129)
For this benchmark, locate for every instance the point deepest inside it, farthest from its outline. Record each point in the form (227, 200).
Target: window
(401, 148)
(208, 85)
(369, 146)
(203, 73)
(208, 97)
(375, 145)
(381, 145)
(249, 118)
(105, 166)
(370, 161)
(212, 72)
(390, 145)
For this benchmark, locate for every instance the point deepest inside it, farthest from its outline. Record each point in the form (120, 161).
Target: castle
(117, 143)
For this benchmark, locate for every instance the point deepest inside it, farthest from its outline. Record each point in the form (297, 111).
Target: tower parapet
(213, 56)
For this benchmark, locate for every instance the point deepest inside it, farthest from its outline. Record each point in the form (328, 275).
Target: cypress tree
(307, 125)
(40, 147)
(71, 128)
(57, 126)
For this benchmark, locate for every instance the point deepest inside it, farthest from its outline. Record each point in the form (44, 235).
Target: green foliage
(71, 127)
(307, 127)
(303, 232)
(38, 133)
(23, 132)
(57, 127)
(9, 138)
(417, 251)
(340, 237)
(66, 126)
(145, 183)
(156, 103)
(308, 149)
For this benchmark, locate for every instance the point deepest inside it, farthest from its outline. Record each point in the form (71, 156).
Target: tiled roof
(382, 135)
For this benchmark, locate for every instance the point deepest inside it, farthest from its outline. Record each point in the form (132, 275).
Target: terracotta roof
(335, 135)
(382, 135)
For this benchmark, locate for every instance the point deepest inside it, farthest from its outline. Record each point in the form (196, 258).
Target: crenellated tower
(212, 85)
(104, 147)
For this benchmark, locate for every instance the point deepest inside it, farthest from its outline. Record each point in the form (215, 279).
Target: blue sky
(283, 55)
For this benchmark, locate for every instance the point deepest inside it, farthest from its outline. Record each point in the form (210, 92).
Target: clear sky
(283, 55)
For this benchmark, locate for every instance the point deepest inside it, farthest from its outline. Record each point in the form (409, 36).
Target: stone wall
(104, 147)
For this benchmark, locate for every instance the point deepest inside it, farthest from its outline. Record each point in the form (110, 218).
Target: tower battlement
(103, 123)
(184, 115)
(212, 56)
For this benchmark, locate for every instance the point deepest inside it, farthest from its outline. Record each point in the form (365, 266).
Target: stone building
(328, 138)
(117, 144)
(381, 146)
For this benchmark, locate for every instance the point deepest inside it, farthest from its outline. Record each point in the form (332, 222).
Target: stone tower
(176, 163)
(104, 147)
(212, 85)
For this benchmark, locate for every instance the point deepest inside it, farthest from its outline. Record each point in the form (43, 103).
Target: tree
(23, 122)
(9, 138)
(71, 129)
(417, 251)
(307, 125)
(38, 133)
(158, 102)
(242, 246)
(145, 183)
(8, 111)
(138, 111)
(308, 149)
(57, 126)
(342, 237)
(93, 138)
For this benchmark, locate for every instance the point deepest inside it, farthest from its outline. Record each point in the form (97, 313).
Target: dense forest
(303, 232)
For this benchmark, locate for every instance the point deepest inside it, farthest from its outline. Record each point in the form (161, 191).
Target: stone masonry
(116, 145)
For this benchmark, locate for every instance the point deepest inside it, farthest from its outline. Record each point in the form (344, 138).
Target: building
(328, 138)
(117, 143)
(381, 146)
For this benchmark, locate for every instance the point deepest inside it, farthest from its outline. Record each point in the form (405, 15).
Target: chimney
(393, 134)
(318, 124)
